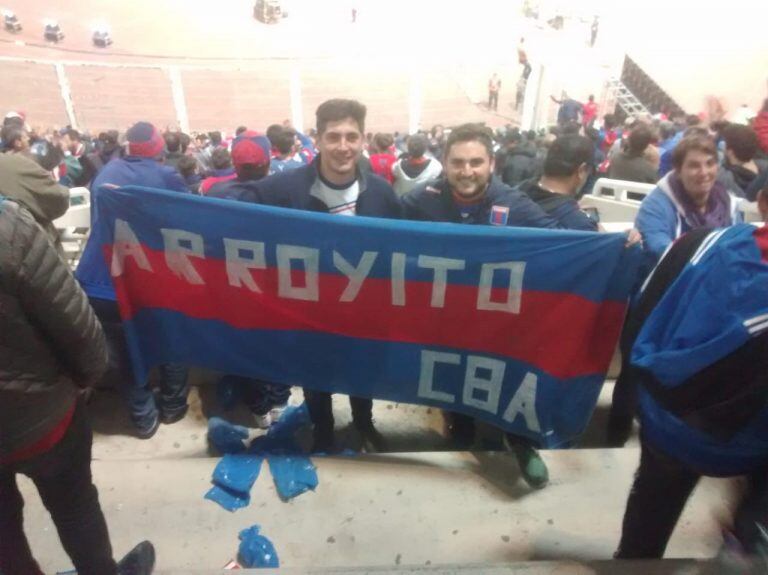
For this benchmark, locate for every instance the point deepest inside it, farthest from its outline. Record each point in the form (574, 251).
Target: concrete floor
(428, 508)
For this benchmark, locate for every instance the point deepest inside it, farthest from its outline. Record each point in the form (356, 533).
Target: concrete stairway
(429, 510)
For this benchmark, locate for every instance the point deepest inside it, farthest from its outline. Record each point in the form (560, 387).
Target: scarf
(718, 210)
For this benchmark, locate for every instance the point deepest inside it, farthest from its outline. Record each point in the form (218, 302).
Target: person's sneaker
(169, 417)
(147, 431)
(277, 412)
(532, 466)
(138, 561)
(323, 441)
(262, 421)
(373, 441)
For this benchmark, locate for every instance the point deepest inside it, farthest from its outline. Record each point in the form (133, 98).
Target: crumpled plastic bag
(256, 550)
(227, 437)
(233, 478)
(292, 474)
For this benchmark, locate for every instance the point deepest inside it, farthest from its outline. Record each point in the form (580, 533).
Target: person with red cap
(140, 167)
(251, 157)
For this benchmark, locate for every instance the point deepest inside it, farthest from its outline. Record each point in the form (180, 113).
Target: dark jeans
(62, 476)
(659, 493)
(321, 410)
(259, 396)
(493, 100)
(141, 401)
(661, 488)
(462, 431)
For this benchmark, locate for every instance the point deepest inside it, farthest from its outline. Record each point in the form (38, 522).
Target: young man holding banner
(334, 184)
(467, 194)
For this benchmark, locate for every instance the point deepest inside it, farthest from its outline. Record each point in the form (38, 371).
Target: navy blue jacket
(564, 209)
(246, 191)
(292, 190)
(433, 202)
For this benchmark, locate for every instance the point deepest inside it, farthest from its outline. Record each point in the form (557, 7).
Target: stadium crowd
(461, 175)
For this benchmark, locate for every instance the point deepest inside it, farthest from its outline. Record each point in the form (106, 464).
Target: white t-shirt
(340, 201)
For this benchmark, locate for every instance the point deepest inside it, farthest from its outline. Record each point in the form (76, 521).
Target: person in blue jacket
(468, 193)
(140, 167)
(333, 183)
(687, 198)
(700, 355)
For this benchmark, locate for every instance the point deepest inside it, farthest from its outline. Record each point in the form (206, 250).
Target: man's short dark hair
(338, 109)
(667, 130)
(221, 159)
(690, 143)
(10, 134)
(742, 141)
(187, 166)
(513, 136)
(215, 138)
(172, 141)
(417, 145)
(639, 139)
(383, 142)
(185, 141)
(273, 133)
(566, 154)
(72, 133)
(284, 140)
(240, 130)
(470, 133)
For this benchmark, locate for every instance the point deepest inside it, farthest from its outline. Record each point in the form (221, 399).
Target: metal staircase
(626, 99)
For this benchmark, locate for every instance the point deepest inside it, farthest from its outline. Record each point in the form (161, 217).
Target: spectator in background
(382, 160)
(221, 170)
(687, 198)
(72, 145)
(15, 138)
(251, 159)
(141, 167)
(569, 110)
(284, 155)
(760, 125)
(415, 168)
(631, 164)
(107, 149)
(566, 170)
(520, 159)
(187, 168)
(669, 137)
(173, 149)
(494, 85)
(436, 141)
(590, 112)
(740, 169)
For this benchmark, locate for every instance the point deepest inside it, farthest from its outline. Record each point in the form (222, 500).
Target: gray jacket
(50, 340)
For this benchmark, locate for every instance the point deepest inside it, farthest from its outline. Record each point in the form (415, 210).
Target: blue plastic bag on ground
(256, 550)
(292, 474)
(229, 500)
(227, 437)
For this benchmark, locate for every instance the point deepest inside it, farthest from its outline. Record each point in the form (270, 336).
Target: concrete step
(664, 567)
(396, 511)
(407, 428)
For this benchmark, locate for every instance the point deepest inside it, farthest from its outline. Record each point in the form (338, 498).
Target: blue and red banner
(513, 326)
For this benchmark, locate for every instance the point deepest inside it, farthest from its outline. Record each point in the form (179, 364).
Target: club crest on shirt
(499, 215)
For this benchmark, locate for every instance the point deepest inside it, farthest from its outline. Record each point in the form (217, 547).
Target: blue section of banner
(362, 368)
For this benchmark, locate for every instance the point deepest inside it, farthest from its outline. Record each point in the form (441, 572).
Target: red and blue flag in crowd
(510, 325)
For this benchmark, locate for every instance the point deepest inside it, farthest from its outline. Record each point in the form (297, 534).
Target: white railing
(75, 225)
(617, 202)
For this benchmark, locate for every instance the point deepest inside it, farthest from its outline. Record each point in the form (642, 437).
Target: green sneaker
(532, 466)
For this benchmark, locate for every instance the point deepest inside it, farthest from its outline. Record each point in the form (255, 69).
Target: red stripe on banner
(562, 334)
